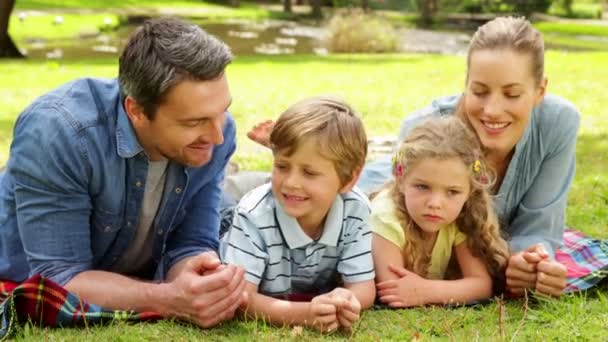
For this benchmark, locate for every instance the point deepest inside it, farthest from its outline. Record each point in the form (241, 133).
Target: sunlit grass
(384, 88)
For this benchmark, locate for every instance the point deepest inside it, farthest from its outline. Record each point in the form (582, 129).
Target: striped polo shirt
(281, 259)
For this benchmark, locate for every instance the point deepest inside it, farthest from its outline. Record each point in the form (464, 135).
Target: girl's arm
(411, 289)
(385, 253)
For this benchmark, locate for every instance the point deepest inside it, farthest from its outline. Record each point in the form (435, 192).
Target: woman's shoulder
(439, 107)
(557, 114)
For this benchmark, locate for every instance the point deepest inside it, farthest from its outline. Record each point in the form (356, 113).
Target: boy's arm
(365, 291)
(320, 313)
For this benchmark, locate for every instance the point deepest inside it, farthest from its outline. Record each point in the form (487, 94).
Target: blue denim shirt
(71, 195)
(531, 201)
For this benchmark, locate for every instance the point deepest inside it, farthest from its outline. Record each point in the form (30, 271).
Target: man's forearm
(118, 292)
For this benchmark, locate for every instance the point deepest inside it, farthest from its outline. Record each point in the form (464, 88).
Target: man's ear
(350, 184)
(541, 91)
(134, 111)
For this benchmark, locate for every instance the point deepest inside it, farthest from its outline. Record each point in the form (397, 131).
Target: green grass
(579, 10)
(384, 88)
(573, 29)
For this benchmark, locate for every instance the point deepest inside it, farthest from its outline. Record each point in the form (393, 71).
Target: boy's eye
(512, 96)
(311, 173)
(453, 192)
(280, 166)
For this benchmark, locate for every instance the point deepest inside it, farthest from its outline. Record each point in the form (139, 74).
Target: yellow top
(384, 222)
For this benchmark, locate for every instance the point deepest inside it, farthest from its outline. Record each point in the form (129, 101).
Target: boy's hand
(324, 312)
(349, 313)
(407, 291)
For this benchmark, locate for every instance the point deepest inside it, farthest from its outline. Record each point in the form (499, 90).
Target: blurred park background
(387, 58)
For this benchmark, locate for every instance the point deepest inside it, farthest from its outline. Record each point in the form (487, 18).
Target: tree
(427, 9)
(316, 8)
(8, 49)
(287, 6)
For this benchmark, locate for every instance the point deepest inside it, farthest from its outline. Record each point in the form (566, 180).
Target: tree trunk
(365, 5)
(8, 49)
(235, 3)
(316, 8)
(427, 10)
(299, 2)
(287, 6)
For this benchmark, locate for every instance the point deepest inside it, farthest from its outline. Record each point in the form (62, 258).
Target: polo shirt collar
(295, 237)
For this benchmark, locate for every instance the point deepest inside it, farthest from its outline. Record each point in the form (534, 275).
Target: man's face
(188, 124)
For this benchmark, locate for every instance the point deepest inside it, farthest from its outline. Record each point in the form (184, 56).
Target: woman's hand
(532, 269)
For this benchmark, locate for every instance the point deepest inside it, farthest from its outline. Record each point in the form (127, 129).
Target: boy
(306, 232)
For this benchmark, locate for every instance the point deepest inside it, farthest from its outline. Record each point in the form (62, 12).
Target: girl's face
(499, 96)
(435, 191)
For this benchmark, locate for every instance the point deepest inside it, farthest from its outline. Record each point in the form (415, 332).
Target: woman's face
(499, 96)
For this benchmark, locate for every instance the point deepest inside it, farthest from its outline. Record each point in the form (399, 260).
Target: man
(111, 182)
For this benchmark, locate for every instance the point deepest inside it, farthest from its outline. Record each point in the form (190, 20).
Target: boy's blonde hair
(335, 126)
(445, 138)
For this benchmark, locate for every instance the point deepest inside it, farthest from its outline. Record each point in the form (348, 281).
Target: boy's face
(306, 185)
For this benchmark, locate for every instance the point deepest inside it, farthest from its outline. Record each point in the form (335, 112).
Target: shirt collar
(127, 144)
(295, 237)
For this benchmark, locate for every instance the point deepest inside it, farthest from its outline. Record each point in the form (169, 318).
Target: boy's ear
(350, 184)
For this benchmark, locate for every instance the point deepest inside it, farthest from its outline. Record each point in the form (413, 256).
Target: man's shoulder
(77, 104)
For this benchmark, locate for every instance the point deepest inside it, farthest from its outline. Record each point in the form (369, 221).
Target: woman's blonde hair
(335, 126)
(445, 138)
(514, 33)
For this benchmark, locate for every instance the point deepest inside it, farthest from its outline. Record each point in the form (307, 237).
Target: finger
(331, 327)
(204, 261)
(553, 268)
(386, 285)
(518, 291)
(389, 299)
(399, 271)
(345, 322)
(397, 304)
(226, 303)
(232, 291)
(532, 258)
(336, 302)
(348, 315)
(520, 275)
(547, 290)
(388, 292)
(322, 309)
(556, 282)
(541, 250)
(326, 319)
(522, 284)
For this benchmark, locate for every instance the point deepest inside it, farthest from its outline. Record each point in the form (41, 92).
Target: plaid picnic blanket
(42, 301)
(586, 259)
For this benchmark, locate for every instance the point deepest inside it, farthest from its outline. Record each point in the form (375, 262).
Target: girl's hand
(551, 278)
(407, 291)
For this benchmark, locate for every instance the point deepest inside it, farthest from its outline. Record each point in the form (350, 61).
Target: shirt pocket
(105, 222)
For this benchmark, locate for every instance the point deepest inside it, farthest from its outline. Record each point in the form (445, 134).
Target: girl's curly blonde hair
(445, 138)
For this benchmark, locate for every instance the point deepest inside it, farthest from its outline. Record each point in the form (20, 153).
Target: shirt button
(107, 228)
(160, 232)
(178, 190)
(129, 224)
(138, 184)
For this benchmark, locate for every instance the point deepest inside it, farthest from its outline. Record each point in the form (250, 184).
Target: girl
(438, 203)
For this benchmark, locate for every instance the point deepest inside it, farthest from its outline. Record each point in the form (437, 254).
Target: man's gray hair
(164, 52)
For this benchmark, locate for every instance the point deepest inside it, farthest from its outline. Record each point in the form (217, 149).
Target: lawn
(384, 89)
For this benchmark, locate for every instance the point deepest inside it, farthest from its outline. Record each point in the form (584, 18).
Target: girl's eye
(479, 92)
(513, 96)
(421, 186)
